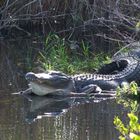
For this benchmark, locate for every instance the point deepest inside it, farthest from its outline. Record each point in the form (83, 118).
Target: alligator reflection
(46, 107)
(50, 106)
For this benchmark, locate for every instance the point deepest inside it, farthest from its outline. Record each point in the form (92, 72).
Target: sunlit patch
(43, 76)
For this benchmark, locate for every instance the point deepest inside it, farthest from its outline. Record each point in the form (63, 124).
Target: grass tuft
(57, 55)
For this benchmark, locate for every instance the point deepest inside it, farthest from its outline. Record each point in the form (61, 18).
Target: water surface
(36, 118)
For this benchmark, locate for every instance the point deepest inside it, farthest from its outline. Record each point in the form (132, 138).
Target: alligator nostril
(30, 76)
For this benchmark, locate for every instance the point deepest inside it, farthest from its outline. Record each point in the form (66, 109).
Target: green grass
(58, 55)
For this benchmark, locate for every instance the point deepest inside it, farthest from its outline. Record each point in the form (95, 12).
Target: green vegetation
(129, 97)
(69, 58)
(131, 104)
(130, 131)
(131, 90)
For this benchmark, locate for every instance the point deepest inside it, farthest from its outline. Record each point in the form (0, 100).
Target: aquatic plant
(130, 131)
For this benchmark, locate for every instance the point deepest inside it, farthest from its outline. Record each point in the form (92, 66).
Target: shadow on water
(38, 118)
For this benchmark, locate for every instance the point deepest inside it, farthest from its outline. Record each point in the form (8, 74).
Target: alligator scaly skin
(110, 81)
(122, 70)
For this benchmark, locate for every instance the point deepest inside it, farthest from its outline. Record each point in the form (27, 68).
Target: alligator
(121, 71)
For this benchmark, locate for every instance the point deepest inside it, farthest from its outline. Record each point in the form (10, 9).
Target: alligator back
(112, 75)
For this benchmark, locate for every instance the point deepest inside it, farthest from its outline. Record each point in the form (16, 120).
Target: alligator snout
(30, 76)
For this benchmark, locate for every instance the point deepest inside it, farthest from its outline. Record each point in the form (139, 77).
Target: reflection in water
(50, 106)
(46, 107)
(82, 120)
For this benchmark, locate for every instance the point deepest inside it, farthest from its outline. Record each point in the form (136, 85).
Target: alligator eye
(30, 76)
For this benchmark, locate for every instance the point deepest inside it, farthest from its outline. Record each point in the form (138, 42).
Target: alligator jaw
(48, 83)
(41, 90)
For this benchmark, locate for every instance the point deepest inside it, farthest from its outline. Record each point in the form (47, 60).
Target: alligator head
(49, 82)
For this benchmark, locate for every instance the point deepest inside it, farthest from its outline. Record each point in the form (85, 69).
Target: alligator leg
(96, 92)
(91, 89)
(84, 92)
(27, 91)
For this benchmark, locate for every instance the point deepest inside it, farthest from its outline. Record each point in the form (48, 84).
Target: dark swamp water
(36, 118)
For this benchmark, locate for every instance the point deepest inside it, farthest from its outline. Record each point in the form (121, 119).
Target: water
(46, 118)
(57, 120)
